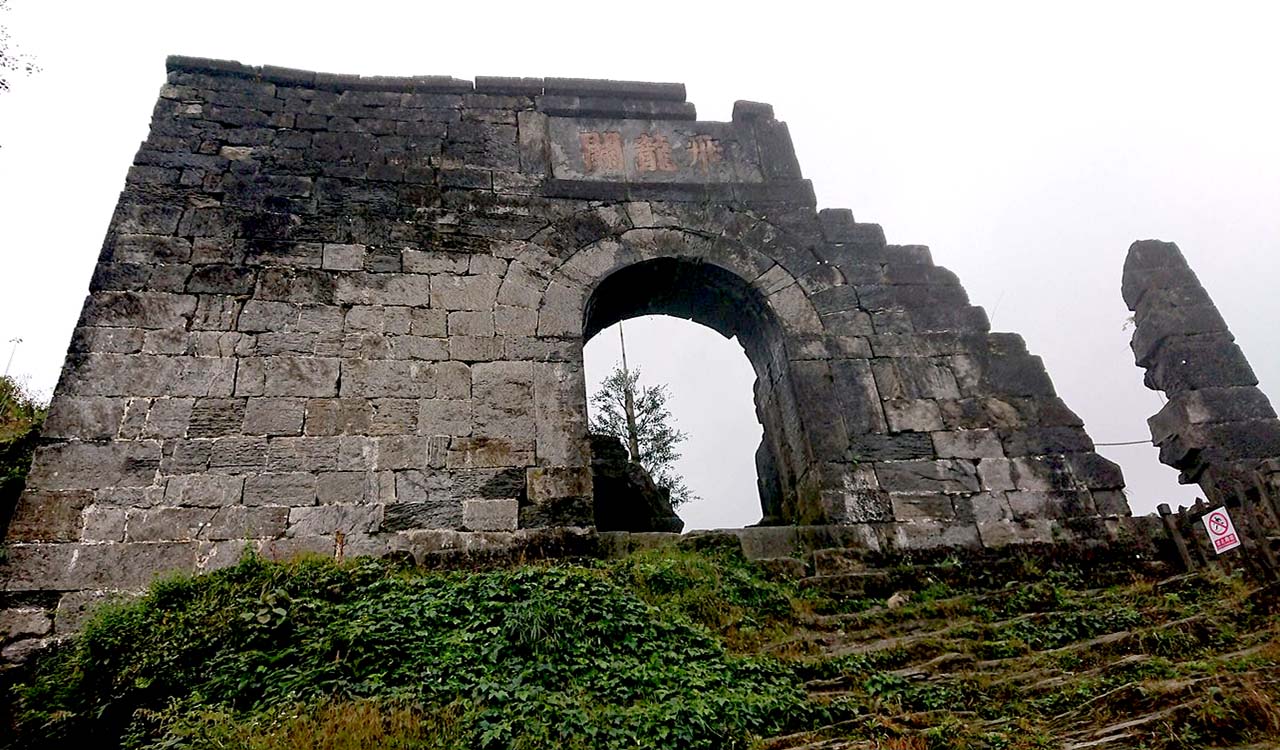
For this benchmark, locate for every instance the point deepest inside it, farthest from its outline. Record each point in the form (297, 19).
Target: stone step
(871, 584)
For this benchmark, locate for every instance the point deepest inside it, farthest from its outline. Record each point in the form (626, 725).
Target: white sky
(1028, 145)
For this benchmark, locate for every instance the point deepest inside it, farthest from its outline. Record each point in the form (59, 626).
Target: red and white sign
(1221, 531)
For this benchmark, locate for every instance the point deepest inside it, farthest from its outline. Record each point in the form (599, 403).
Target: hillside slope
(675, 647)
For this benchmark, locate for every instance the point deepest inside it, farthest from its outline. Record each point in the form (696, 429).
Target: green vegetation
(638, 416)
(21, 415)
(670, 648)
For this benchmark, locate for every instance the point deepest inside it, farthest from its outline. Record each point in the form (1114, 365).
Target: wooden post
(1263, 556)
(1171, 528)
(1189, 519)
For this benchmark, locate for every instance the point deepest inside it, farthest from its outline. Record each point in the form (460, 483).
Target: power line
(1130, 442)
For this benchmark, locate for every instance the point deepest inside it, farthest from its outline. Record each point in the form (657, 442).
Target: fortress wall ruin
(346, 315)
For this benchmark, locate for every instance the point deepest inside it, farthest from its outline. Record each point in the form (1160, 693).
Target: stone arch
(737, 290)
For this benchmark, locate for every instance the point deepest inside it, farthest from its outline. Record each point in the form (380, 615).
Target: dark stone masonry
(1217, 428)
(346, 315)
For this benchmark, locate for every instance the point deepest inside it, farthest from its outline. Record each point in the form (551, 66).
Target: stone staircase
(1103, 653)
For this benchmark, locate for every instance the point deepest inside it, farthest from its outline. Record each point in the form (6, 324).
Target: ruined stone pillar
(1217, 427)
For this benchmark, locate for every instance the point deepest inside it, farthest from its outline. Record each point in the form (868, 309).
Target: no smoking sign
(1221, 531)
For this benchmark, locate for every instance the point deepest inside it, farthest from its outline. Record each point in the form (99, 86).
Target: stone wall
(1217, 427)
(346, 315)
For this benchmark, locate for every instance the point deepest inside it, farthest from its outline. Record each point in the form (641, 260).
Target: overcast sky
(1027, 146)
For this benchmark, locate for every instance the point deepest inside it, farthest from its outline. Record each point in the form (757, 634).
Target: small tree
(21, 415)
(638, 416)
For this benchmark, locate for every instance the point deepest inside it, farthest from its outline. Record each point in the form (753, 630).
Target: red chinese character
(601, 152)
(705, 151)
(653, 154)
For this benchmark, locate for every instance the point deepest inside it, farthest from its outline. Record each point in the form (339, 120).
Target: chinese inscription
(603, 152)
(705, 151)
(653, 154)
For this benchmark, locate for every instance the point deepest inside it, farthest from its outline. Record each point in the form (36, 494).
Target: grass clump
(22, 414)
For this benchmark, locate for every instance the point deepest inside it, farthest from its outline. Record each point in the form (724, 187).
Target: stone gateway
(346, 315)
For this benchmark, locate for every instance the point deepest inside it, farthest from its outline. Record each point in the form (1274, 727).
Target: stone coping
(671, 92)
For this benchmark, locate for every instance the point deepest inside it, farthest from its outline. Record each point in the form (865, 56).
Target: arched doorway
(714, 297)
(738, 286)
(707, 388)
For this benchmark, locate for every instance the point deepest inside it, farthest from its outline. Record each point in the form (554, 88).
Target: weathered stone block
(338, 416)
(503, 397)
(77, 606)
(968, 444)
(301, 377)
(104, 524)
(167, 524)
(997, 474)
(922, 507)
(328, 520)
(491, 515)
(444, 512)
(1111, 502)
(302, 454)
(383, 289)
(216, 417)
(919, 415)
(355, 487)
(140, 375)
(914, 378)
(931, 535)
(1044, 473)
(947, 476)
(234, 453)
(983, 507)
(487, 453)
(73, 466)
(439, 416)
(70, 567)
(1035, 504)
(84, 417)
(901, 446)
(396, 379)
(394, 416)
(402, 452)
(274, 416)
(1189, 363)
(464, 292)
(204, 490)
(45, 515)
(291, 488)
(343, 257)
(996, 534)
(475, 348)
(1095, 472)
(138, 310)
(544, 484)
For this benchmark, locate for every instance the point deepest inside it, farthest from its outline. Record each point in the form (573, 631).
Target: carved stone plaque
(652, 151)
